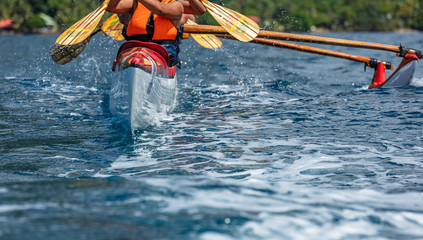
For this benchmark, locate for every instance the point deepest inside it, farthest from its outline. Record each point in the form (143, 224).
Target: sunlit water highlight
(263, 144)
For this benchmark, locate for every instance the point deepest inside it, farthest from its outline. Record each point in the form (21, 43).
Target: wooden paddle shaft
(371, 62)
(304, 38)
(330, 41)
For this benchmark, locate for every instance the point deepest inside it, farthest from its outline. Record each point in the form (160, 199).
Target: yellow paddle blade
(112, 27)
(83, 28)
(205, 40)
(241, 27)
(63, 54)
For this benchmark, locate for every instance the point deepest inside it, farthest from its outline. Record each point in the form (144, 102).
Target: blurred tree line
(287, 15)
(27, 13)
(334, 15)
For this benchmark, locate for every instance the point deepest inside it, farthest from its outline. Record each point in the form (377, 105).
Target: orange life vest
(144, 22)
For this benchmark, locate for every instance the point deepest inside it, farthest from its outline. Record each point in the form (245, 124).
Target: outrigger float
(401, 77)
(144, 87)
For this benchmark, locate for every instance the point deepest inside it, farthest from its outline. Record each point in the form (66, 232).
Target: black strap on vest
(150, 25)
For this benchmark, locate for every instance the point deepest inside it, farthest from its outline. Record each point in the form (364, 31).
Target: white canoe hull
(142, 97)
(140, 100)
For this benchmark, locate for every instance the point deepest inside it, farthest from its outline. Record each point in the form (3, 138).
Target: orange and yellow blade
(112, 27)
(83, 28)
(241, 27)
(205, 40)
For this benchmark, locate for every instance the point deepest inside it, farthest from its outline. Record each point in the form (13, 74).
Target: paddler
(157, 21)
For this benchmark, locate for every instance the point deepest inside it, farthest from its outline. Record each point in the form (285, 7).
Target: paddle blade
(83, 28)
(112, 27)
(63, 54)
(241, 27)
(205, 40)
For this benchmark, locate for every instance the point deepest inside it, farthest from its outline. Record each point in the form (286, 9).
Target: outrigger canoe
(144, 86)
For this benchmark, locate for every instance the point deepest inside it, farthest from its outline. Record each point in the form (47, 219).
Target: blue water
(264, 143)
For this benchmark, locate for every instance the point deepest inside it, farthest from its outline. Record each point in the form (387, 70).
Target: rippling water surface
(264, 143)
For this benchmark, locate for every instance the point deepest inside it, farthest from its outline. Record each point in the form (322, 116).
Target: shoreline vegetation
(54, 16)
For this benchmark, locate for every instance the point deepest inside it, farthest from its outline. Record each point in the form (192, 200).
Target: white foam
(214, 236)
(142, 159)
(417, 82)
(69, 173)
(21, 207)
(64, 158)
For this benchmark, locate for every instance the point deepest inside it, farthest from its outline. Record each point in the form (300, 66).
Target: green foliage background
(287, 15)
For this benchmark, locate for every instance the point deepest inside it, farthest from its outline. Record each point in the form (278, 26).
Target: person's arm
(172, 10)
(121, 6)
(193, 7)
(185, 18)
